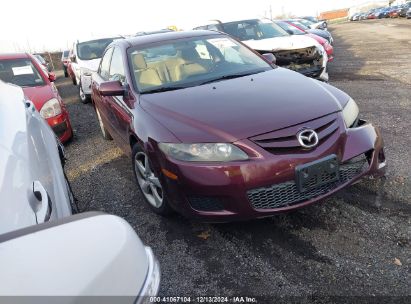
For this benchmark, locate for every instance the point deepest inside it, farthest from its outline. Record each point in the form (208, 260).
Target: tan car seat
(146, 76)
(192, 65)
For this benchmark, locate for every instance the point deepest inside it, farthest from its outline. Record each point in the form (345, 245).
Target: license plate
(317, 173)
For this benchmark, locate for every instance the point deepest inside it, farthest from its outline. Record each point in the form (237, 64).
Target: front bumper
(233, 191)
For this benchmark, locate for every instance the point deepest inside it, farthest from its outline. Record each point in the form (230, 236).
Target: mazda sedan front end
(218, 133)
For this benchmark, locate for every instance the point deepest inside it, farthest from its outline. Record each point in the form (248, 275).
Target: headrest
(139, 62)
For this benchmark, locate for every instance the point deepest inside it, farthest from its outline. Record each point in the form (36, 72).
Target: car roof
(14, 56)
(166, 36)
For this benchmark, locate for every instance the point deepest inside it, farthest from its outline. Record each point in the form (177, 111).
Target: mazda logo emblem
(307, 138)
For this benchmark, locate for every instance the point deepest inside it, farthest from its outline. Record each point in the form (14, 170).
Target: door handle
(40, 203)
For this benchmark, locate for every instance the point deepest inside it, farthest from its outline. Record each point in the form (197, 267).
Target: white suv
(84, 61)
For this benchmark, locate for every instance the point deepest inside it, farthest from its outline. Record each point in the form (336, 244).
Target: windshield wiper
(232, 76)
(163, 89)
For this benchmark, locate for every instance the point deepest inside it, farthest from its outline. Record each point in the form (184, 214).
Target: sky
(50, 25)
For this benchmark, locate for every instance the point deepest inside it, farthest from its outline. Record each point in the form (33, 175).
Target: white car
(296, 52)
(44, 250)
(33, 188)
(85, 60)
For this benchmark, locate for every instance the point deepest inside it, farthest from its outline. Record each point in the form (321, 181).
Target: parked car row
(214, 127)
(396, 11)
(301, 51)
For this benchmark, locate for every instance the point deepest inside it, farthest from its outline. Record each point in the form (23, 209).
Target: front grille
(205, 203)
(285, 140)
(287, 194)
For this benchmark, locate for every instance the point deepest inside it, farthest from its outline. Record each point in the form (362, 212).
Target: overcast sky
(54, 24)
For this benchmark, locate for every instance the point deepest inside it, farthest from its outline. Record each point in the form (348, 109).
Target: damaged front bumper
(310, 61)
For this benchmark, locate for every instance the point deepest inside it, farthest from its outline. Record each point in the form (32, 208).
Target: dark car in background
(299, 23)
(65, 59)
(46, 65)
(25, 71)
(404, 9)
(219, 133)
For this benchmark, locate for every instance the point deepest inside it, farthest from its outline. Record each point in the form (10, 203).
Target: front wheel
(65, 72)
(149, 182)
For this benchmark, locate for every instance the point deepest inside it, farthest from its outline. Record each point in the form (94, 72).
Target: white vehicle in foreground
(85, 60)
(295, 52)
(44, 250)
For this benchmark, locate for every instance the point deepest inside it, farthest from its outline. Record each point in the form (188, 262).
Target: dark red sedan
(23, 70)
(218, 132)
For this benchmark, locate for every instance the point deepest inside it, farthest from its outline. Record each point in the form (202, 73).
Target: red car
(23, 70)
(294, 30)
(219, 132)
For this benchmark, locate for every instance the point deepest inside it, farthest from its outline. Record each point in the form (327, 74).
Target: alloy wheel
(148, 181)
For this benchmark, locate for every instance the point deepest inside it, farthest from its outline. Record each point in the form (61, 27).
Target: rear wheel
(149, 183)
(104, 132)
(65, 72)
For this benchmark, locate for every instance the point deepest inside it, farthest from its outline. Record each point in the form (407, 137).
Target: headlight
(86, 72)
(350, 113)
(207, 152)
(51, 108)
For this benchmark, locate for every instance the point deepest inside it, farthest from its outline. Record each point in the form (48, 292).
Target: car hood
(280, 43)
(230, 110)
(39, 95)
(89, 64)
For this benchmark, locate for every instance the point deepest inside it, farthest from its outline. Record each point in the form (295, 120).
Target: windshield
(253, 30)
(65, 54)
(20, 72)
(290, 28)
(92, 49)
(190, 62)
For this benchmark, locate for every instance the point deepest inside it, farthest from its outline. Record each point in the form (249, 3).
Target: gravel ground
(355, 244)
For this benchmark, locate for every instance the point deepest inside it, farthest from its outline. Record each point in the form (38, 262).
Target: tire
(106, 135)
(148, 182)
(65, 72)
(83, 97)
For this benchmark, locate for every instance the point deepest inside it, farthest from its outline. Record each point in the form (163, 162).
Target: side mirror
(52, 76)
(111, 88)
(270, 58)
(73, 58)
(88, 254)
(289, 32)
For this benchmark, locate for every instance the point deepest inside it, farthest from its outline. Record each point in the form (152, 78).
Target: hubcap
(149, 183)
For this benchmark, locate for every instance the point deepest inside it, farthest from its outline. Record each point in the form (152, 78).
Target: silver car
(33, 188)
(44, 249)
